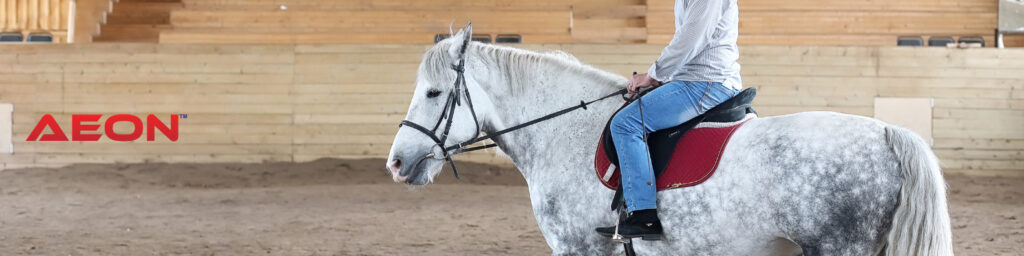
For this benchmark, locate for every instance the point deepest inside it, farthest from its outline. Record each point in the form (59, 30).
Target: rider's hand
(640, 81)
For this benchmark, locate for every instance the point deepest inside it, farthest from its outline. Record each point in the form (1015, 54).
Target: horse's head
(416, 157)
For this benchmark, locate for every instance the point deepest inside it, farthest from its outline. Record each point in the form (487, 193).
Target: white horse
(816, 183)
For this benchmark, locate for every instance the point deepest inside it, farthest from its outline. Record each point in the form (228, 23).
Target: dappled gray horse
(817, 183)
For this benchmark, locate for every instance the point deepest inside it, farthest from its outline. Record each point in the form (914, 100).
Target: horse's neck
(560, 147)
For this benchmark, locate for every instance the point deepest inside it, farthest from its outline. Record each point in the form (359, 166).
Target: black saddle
(662, 143)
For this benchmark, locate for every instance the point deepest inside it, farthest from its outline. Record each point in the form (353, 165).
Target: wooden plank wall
(27, 16)
(843, 22)
(253, 103)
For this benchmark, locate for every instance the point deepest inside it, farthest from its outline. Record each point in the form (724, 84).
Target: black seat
(441, 37)
(508, 39)
(940, 41)
(39, 37)
(910, 41)
(11, 37)
(483, 38)
(972, 40)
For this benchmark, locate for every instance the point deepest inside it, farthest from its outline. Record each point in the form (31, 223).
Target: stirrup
(616, 237)
(627, 243)
(619, 239)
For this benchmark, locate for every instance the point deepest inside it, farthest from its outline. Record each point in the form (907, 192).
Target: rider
(696, 71)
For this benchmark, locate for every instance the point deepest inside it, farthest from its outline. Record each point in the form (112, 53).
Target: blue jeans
(667, 106)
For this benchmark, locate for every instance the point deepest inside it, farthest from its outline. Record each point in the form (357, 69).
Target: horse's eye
(433, 93)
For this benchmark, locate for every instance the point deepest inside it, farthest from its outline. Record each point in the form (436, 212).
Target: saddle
(688, 152)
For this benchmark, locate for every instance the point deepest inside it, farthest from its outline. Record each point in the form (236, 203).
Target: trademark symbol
(182, 116)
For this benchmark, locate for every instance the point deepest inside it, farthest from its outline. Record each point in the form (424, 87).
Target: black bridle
(455, 99)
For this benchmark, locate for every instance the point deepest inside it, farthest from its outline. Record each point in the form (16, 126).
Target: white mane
(517, 64)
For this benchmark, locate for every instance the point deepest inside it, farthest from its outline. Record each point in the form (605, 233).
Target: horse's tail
(920, 225)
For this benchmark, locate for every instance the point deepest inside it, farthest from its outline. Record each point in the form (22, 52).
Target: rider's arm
(695, 21)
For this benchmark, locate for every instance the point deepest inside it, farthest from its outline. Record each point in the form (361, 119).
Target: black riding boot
(643, 224)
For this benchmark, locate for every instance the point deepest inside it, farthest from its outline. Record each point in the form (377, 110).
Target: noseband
(455, 100)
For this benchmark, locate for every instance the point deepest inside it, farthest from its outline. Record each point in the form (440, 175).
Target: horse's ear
(461, 42)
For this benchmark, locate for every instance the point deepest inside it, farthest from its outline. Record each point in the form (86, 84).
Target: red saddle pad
(695, 159)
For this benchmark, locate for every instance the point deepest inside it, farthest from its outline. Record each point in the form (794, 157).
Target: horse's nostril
(396, 166)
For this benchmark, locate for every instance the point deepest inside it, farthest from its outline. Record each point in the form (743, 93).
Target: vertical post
(6, 141)
(572, 10)
(71, 21)
(999, 39)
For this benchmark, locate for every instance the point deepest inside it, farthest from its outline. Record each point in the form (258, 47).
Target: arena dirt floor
(341, 207)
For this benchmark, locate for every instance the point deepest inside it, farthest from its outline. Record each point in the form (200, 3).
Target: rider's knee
(624, 124)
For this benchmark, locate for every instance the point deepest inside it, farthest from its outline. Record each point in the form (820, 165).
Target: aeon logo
(90, 123)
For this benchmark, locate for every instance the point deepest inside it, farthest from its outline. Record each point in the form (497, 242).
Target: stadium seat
(483, 38)
(11, 37)
(439, 37)
(40, 37)
(940, 41)
(508, 38)
(910, 41)
(972, 40)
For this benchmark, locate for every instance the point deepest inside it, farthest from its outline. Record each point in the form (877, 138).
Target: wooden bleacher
(843, 22)
(138, 21)
(370, 21)
(762, 22)
(296, 26)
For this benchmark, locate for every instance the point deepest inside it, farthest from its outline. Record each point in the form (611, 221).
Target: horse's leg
(781, 246)
(586, 245)
(567, 219)
(845, 248)
(843, 228)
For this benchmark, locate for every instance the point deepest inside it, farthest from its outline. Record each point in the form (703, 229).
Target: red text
(91, 123)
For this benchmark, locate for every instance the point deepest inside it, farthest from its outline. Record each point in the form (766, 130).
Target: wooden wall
(253, 103)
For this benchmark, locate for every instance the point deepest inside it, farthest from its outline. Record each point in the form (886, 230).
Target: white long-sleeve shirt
(704, 45)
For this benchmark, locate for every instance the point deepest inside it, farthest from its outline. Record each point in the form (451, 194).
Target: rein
(455, 100)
